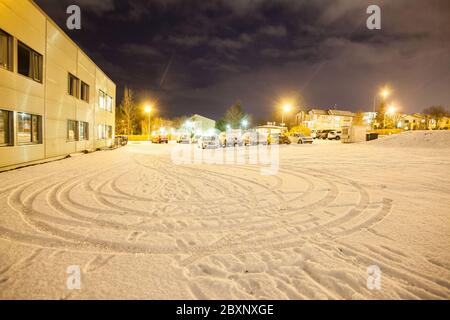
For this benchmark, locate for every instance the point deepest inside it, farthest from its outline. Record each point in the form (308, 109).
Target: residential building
(319, 119)
(54, 100)
(200, 124)
(412, 122)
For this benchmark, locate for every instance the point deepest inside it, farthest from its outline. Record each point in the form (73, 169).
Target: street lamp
(384, 93)
(244, 123)
(148, 110)
(390, 110)
(286, 108)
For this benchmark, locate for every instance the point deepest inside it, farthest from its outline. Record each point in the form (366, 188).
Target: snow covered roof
(332, 112)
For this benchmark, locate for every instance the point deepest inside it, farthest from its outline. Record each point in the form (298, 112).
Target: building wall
(201, 123)
(320, 121)
(50, 99)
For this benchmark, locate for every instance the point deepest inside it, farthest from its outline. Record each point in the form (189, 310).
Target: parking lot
(141, 225)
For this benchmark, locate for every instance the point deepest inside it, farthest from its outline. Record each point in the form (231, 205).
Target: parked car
(253, 138)
(195, 138)
(230, 139)
(122, 140)
(183, 138)
(160, 138)
(334, 135)
(314, 134)
(300, 138)
(323, 134)
(275, 138)
(205, 142)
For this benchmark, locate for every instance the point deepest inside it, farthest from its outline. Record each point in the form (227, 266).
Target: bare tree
(436, 113)
(128, 111)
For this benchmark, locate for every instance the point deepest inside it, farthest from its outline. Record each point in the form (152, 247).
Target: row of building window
(77, 130)
(29, 128)
(77, 88)
(29, 61)
(30, 64)
(105, 101)
(80, 89)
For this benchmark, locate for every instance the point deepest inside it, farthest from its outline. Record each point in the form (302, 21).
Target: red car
(160, 139)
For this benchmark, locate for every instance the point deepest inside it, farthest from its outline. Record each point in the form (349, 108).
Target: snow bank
(416, 139)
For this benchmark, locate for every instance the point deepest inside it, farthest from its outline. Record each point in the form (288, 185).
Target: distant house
(412, 122)
(200, 124)
(320, 119)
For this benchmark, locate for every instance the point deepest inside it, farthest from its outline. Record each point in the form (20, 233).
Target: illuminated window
(6, 50)
(108, 132)
(109, 103)
(5, 127)
(102, 100)
(73, 85)
(72, 130)
(83, 131)
(29, 62)
(28, 128)
(100, 132)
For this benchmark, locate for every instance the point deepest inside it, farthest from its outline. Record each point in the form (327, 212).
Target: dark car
(160, 139)
(324, 134)
(275, 138)
(121, 140)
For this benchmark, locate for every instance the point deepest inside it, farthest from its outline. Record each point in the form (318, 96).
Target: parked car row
(236, 139)
(326, 134)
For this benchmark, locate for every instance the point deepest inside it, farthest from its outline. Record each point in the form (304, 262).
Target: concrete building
(318, 119)
(54, 100)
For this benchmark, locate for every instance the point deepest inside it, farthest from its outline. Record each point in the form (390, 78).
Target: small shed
(353, 134)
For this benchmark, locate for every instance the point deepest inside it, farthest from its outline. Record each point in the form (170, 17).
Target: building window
(102, 100)
(72, 130)
(5, 127)
(83, 131)
(108, 130)
(101, 132)
(109, 103)
(73, 85)
(29, 62)
(84, 92)
(6, 50)
(28, 128)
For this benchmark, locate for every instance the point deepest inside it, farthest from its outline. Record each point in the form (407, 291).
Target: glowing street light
(148, 110)
(390, 111)
(286, 108)
(244, 123)
(384, 93)
(228, 127)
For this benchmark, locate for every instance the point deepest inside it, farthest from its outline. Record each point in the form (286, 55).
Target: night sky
(202, 56)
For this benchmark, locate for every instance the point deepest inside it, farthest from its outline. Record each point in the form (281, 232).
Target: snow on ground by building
(416, 139)
(140, 226)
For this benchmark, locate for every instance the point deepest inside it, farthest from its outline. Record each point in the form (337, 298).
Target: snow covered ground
(141, 226)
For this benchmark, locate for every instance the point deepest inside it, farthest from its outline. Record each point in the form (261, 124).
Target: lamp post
(148, 110)
(384, 93)
(286, 108)
(390, 111)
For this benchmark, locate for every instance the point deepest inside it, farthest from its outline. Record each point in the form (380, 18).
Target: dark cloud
(260, 51)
